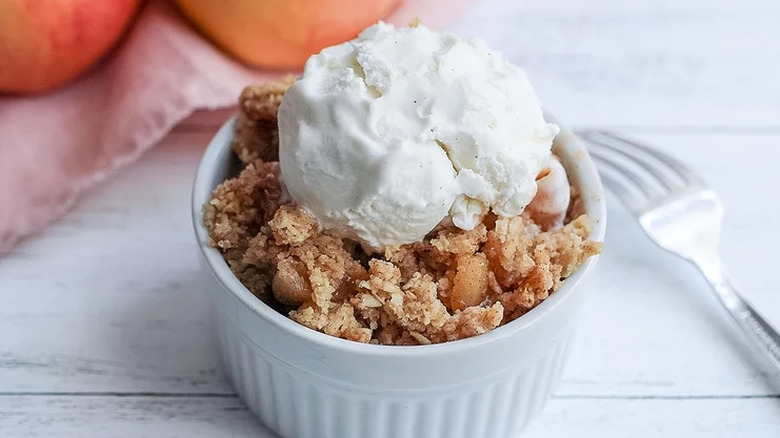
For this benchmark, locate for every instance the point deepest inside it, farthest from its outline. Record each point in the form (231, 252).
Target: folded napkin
(55, 146)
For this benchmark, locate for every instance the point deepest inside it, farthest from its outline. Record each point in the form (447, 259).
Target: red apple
(282, 33)
(45, 43)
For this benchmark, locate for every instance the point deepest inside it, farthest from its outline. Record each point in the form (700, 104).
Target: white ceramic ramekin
(305, 384)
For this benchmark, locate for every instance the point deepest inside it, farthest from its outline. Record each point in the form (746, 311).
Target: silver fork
(682, 215)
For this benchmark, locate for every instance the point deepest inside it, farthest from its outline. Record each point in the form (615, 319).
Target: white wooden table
(103, 317)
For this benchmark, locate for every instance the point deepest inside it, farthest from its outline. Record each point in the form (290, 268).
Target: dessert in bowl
(406, 195)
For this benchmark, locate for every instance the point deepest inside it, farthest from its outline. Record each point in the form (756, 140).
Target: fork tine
(683, 171)
(613, 174)
(660, 178)
(628, 198)
(631, 177)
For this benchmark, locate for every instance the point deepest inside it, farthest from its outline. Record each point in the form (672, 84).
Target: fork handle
(762, 335)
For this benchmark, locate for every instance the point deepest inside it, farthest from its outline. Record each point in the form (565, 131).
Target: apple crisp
(451, 285)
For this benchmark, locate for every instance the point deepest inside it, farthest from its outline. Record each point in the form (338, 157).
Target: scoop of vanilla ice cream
(385, 136)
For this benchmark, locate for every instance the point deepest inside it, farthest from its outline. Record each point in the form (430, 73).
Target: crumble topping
(257, 136)
(451, 285)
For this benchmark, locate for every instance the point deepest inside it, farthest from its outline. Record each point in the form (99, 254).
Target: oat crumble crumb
(257, 136)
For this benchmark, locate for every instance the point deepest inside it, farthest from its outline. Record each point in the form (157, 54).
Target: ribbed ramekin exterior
(304, 384)
(296, 404)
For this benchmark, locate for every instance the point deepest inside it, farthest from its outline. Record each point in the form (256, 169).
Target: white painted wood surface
(104, 330)
(642, 63)
(209, 417)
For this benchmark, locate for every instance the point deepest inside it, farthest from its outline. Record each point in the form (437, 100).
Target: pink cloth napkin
(55, 146)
